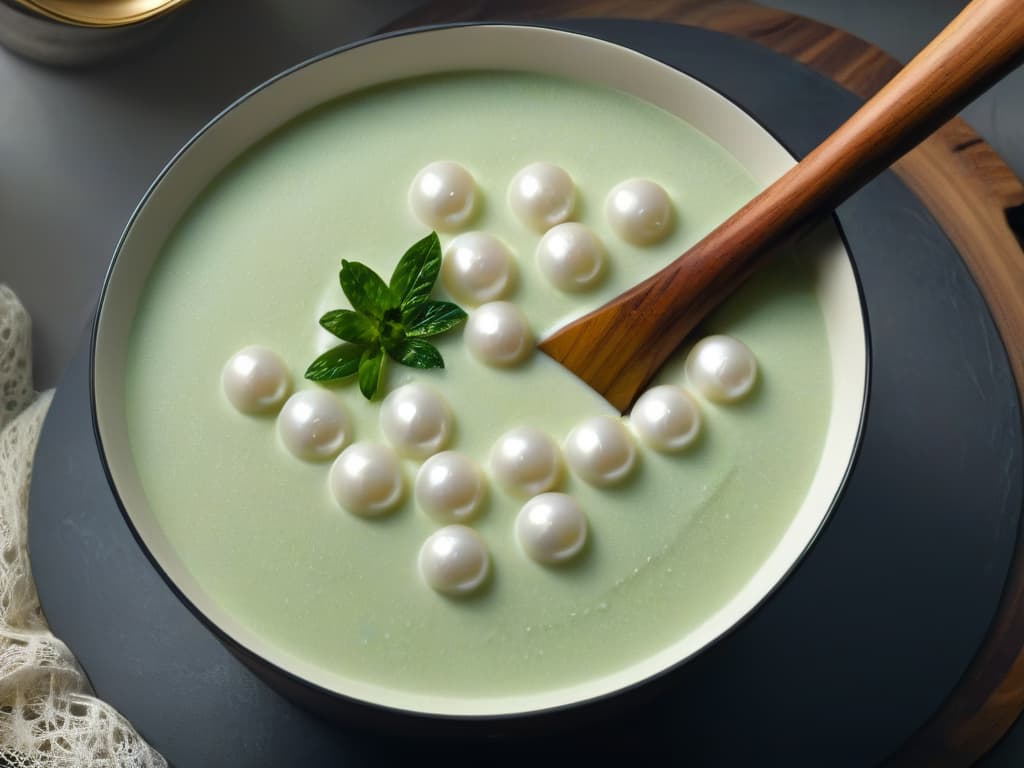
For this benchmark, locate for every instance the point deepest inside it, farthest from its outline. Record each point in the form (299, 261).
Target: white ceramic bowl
(514, 48)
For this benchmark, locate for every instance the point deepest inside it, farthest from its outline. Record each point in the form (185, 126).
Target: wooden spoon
(617, 348)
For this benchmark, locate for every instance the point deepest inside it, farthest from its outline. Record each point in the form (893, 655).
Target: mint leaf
(368, 294)
(337, 363)
(435, 317)
(350, 326)
(417, 353)
(371, 371)
(417, 270)
(387, 320)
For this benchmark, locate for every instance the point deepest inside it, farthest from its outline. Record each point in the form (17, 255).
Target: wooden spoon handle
(980, 45)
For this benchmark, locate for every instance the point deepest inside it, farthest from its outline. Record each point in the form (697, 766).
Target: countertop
(78, 147)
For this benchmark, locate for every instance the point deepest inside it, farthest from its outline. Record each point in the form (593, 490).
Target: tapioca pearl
(454, 560)
(542, 195)
(477, 268)
(314, 425)
(601, 450)
(551, 528)
(666, 418)
(639, 211)
(416, 420)
(525, 461)
(256, 380)
(571, 257)
(450, 487)
(722, 368)
(366, 479)
(443, 195)
(498, 334)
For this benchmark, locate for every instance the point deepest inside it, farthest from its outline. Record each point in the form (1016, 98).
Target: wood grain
(971, 193)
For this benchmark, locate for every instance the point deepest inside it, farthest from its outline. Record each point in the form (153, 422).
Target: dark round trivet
(857, 650)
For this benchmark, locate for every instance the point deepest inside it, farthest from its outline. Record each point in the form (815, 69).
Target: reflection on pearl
(722, 368)
(600, 450)
(450, 487)
(416, 420)
(256, 380)
(477, 268)
(498, 334)
(366, 479)
(571, 257)
(639, 211)
(542, 195)
(666, 418)
(454, 560)
(443, 195)
(525, 461)
(551, 528)
(314, 425)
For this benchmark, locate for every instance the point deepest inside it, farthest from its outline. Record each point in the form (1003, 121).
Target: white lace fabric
(48, 715)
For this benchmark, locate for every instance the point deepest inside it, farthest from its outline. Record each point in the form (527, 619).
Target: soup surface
(256, 260)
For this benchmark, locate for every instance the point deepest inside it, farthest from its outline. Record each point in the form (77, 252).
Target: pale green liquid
(255, 262)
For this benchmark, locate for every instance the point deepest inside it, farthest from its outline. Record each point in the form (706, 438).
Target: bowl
(395, 58)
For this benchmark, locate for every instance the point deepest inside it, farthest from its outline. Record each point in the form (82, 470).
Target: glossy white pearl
(639, 211)
(551, 528)
(450, 487)
(416, 420)
(498, 334)
(542, 195)
(366, 479)
(666, 418)
(477, 268)
(525, 461)
(601, 450)
(314, 425)
(443, 195)
(256, 380)
(722, 368)
(571, 257)
(454, 560)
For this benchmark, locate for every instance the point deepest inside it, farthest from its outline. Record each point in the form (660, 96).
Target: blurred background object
(81, 32)
(102, 13)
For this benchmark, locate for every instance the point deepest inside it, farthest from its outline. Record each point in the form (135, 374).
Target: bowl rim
(291, 678)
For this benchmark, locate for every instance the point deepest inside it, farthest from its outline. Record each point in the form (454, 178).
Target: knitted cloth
(48, 715)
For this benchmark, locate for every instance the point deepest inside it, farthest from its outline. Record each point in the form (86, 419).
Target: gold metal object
(101, 13)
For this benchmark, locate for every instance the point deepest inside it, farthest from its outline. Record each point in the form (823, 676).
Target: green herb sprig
(387, 319)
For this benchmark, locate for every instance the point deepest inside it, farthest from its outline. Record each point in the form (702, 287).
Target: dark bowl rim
(384, 710)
